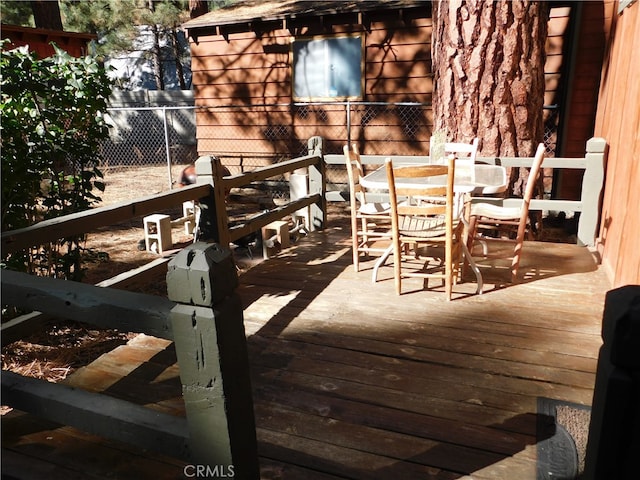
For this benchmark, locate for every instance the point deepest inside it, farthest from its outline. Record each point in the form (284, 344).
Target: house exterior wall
(251, 70)
(254, 70)
(585, 81)
(555, 49)
(232, 70)
(39, 39)
(581, 85)
(618, 121)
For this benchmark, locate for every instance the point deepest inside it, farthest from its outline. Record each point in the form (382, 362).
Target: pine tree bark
(488, 62)
(46, 14)
(175, 45)
(156, 54)
(197, 8)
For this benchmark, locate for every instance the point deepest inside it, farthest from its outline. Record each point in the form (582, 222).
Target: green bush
(53, 114)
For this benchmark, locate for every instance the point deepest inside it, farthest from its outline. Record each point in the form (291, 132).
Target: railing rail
(219, 428)
(312, 164)
(593, 165)
(214, 220)
(210, 175)
(199, 277)
(83, 222)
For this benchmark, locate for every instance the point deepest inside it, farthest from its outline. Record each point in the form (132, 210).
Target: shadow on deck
(352, 381)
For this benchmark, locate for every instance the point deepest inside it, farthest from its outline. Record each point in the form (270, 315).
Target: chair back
(469, 149)
(406, 215)
(532, 179)
(426, 216)
(465, 154)
(355, 173)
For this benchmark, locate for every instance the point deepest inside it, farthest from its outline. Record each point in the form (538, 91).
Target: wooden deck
(352, 381)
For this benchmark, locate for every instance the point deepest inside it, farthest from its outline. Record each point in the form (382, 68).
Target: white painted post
(592, 185)
(317, 184)
(212, 354)
(299, 188)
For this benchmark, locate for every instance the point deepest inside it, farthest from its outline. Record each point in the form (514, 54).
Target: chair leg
(448, 269)
(471, 238)
(355, 242)
(381, 261)
(397, 267)
(364, 225)
(515, 262)
(517, 253)
(448, 285)
(474, 268)
(356, 254)
(467, 245)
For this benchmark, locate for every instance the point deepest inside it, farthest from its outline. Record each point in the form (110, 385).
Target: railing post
(213, 216)
(592, 185)
(213, 360)
(317, 184)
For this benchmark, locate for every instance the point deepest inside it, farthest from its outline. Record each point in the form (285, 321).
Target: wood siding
(618, 121)
(39, 40)
(246, 69)
(585, 44)
(585, 79)
(255, 70)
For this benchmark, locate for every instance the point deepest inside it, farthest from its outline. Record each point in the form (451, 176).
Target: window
(327, 68)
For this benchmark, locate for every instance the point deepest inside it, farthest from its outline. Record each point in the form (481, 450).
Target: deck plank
(67, 449)
(352, 381)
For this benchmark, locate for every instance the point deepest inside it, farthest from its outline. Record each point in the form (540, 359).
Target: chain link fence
(155, 143)
(146, 138)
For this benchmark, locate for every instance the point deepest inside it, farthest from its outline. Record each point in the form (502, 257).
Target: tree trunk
(488, 62)
(197, 8)
(175, 45)
(156, 54)
(46, 14)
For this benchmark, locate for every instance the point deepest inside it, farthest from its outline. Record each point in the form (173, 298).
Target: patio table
(487, 180)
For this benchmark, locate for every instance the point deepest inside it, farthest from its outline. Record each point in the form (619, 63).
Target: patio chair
(465, 154)
(370, 221)
(503, 221)
(425, 223)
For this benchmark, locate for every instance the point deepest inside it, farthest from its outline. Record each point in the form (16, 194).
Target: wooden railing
(202, 316)
(199, 278)
(593, 165)
(312, 165)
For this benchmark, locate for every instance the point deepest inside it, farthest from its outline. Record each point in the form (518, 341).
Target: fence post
(213, 216)
(167, 147)
(592, 185)
(317, 184)
(213, 360)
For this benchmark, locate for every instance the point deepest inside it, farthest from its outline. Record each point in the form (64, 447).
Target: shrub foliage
(53, 114)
